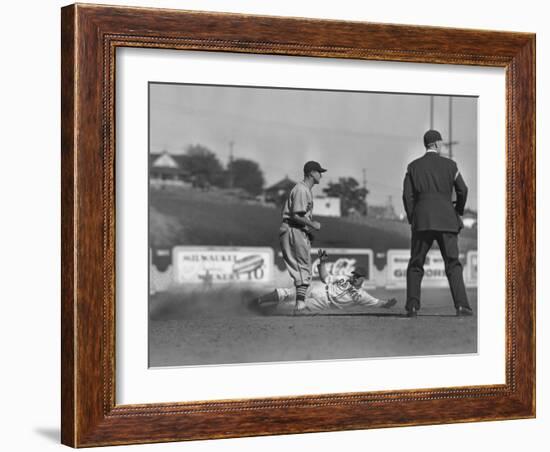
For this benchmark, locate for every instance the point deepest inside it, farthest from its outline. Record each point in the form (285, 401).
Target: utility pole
(390, 210)
(451, 127)
(449, 144)
(365, 188)
(230, 165)
(431, 112)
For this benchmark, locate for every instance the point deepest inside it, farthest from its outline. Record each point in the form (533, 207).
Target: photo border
(90, 36)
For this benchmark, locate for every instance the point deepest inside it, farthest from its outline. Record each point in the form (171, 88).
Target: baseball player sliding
(335, 292)
(296, 230)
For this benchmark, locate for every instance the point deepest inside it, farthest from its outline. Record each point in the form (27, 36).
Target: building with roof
(167, 169)
(278, 193)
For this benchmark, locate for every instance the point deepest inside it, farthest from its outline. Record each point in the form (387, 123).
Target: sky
(350, 133)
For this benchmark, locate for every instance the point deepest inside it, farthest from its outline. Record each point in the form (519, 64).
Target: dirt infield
(195, 329)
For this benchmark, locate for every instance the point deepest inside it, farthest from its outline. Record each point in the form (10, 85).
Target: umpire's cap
(313, 166)
(431, 136)
(359, 271)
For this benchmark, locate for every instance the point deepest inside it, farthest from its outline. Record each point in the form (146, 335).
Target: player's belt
(292, 224)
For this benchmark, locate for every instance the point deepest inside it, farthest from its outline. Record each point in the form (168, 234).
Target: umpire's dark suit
(427, 196)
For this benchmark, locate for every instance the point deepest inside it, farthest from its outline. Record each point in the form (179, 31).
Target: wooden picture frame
(90, 36)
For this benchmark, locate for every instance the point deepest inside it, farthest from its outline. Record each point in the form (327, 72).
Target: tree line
(207, 170)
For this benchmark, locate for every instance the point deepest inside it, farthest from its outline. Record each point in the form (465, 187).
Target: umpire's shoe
(464, 311)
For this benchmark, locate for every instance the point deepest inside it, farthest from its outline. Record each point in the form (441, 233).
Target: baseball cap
(359, 271)
(313, 166)
(431, 136)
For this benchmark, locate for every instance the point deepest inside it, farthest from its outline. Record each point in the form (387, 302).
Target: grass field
(204, 330)
(190, 217)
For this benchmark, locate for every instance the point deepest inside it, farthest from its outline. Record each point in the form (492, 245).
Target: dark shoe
(260, 301)
(464, 311)
(254, 305)
(412, 312)
(390, 303)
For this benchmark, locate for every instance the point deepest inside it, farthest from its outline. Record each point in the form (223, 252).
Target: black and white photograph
(236, 225)
(290, 225)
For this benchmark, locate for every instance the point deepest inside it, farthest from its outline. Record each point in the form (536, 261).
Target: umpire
(427, 196)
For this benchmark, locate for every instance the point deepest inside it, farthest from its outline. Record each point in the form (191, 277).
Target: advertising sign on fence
(471, 268)
(398, 260)
(161, 258)
(434, 269)
(341, 261)
(222, 264)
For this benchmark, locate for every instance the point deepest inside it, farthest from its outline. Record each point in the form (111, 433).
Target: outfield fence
(206, 267)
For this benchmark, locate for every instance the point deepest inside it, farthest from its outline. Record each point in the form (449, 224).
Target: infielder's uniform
(294, 238)
(334, 293)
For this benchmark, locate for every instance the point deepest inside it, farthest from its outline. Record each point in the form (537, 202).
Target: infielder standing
(295, 234)
(335, 292)
(427, 196)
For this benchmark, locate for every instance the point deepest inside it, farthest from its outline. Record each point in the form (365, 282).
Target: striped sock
(301, 292)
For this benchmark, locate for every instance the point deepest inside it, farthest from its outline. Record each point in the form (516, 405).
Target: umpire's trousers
(421, 243)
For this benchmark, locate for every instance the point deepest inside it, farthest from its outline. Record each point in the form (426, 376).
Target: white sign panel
(341, 262)
(471, 268)
(398, 260)
(327, 206)
(222, 264)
